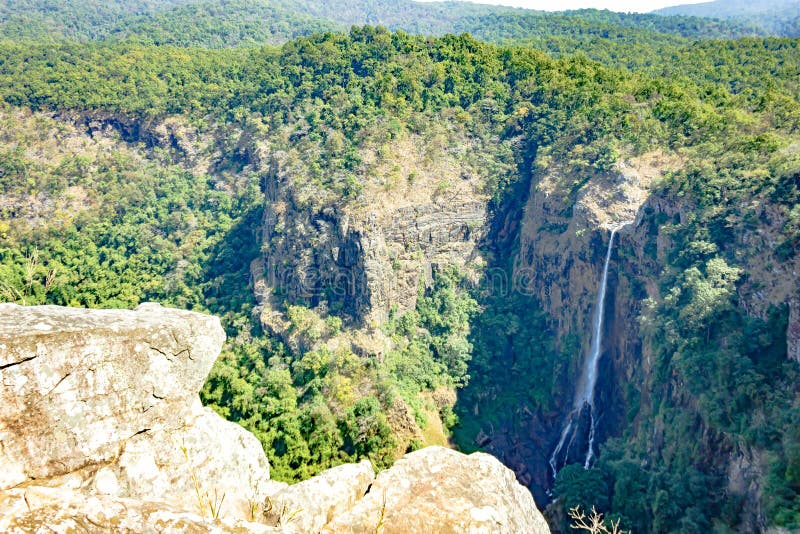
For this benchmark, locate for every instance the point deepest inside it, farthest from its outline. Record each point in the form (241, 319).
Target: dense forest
(778, 16)
(231, 23)
(139, 140)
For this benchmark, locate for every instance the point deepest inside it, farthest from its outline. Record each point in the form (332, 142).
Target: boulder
(44, 509)
(79, 383)
(106, 402)
(309, 505)
(444, 491)
(208, 465)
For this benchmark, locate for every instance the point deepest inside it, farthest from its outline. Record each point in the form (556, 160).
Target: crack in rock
(12, 364)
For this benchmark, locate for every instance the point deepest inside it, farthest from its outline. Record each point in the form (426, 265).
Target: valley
(576, 250)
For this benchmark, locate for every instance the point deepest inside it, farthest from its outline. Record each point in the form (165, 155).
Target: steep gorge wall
(563, 237)
(361, 249)
(364, 256)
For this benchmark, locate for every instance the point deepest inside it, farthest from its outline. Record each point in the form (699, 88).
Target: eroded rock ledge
(101, 429)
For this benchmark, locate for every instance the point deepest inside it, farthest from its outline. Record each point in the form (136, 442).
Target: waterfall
(584, 393)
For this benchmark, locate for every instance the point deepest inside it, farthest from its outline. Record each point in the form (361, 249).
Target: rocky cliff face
(101, 429)
(364, 255)
(563, 238)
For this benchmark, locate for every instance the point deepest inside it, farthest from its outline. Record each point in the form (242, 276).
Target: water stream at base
(584, 394)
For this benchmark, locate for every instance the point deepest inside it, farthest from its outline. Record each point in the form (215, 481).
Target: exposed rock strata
(367, 256)
(364, 255)
(563, 238)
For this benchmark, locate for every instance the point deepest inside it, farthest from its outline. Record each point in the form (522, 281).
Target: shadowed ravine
(583, 406)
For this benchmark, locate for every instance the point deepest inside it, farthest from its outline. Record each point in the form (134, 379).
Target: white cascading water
(584, 394)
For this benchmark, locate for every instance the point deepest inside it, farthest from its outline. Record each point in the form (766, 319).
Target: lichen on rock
(105, 402)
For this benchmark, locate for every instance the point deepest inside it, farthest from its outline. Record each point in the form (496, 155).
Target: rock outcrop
(309, 505)
(441, 490)
(101, 429)
(78, 383)
(366, 256)
(106, 402)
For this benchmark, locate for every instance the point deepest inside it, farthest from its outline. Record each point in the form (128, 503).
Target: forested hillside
(780, 17)
(229, 23)
(151, 158)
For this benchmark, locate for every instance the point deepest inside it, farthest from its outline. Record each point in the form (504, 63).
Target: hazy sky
(642, 6)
